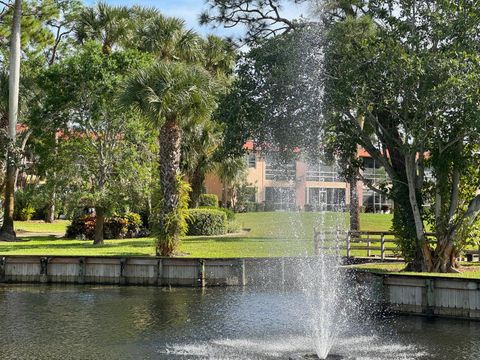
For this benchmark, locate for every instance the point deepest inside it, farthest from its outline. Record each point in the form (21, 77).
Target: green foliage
(208, 200)
(128, 225)
(206, 222)
(388, 89)
(280, 73)
(170, 226)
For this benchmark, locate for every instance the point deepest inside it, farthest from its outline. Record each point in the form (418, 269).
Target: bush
(206, 222)
(82, 226)
(27, 213)
(116, 227)
(230, 214)
(209, 200)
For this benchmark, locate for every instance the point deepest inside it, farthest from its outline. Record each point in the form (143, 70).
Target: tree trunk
(7, 231)
(169, 231)
(225, 195)
(196, 182)
(354, 207)
(50, 216)
(99, 225)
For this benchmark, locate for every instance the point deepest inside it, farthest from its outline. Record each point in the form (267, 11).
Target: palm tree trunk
(197, 180)
(169, 233)
(99, 225)
(7, 231)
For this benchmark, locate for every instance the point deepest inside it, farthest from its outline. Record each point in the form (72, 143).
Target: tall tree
(410, 69)
(99, 136)
(171, 95)
(200, 146)
(110, 25)
(261, 18)
(7, 231)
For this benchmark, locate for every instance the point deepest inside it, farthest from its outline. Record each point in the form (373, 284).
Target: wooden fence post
(337, 241)
(369, 252)
(348, 243)
(382, 246)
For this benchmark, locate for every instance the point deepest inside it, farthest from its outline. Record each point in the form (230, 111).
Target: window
(374, 171)
(329, 199)
(251, 160)
(375, 202)
(275, 169)
(279, 198)
(322, 172)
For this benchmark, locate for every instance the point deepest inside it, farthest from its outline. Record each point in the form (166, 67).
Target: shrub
(27, 213)
(209, 200)
(82, 226)
(115, 227)
(230, 214)
(206, 222)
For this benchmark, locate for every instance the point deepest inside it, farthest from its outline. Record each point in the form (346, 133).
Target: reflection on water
(92, 322)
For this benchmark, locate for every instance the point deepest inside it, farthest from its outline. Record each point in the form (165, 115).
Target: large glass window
(322, 172)
(276, 169)
(373, 170)
(375, 202)
(328, 199)
(279, 198)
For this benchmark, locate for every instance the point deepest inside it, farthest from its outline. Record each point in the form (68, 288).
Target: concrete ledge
(432, 296)
(155, 271)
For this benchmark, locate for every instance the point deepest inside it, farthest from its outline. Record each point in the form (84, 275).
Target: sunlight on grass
(469, 270)
(270, 234)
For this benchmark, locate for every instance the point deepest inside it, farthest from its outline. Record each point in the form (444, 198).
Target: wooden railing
(346, 242)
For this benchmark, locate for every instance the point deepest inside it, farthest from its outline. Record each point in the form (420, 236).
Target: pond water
(99, 322)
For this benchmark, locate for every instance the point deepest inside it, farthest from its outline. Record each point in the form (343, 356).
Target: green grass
(270, 234)
(59, 226)
(469, 270)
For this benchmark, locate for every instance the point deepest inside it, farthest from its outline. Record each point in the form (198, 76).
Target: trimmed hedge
(228, 212)
(206, 222)
(208, 200)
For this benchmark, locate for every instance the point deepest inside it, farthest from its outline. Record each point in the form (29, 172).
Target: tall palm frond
(172, 90)
(110, 25)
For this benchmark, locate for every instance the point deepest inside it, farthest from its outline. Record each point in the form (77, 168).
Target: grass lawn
(59, 226)
(469, 270)
(270, 234)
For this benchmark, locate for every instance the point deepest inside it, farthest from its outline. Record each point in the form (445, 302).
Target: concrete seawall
(417, 295)
(154, 271)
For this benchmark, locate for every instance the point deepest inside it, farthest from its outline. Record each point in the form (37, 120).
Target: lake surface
(98, 322)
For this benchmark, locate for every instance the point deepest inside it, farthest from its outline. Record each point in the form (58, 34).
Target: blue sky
(189, 10)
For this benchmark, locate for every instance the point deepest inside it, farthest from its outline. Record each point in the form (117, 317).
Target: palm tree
(110, 25)
(7, 231)
(219, 56)
(232, 171)
(171, 95)
(167, 38)
(198, 154)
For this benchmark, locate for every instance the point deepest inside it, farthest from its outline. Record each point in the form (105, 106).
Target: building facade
(303, 185)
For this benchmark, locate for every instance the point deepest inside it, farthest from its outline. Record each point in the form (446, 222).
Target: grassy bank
(268, 234)
(468, 270)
